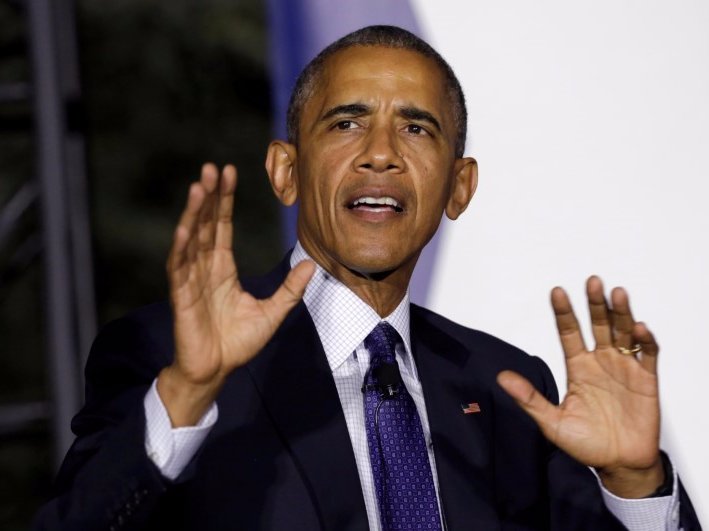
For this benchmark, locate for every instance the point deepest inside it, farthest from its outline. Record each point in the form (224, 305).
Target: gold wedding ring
(630, 351)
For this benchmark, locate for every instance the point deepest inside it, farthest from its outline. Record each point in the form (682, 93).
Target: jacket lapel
(297, 388)
(461, 442)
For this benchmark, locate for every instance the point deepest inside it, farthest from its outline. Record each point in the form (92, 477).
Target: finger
(225, 226)
(650, 348)
(544, 413)
(566, 323)
(598, 308)
(209, 180)
(290, 292)
(209, 177)
(186, 227)
(176, 258)
(623, 321)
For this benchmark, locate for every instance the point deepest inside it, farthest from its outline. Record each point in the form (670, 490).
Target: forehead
(379, 75)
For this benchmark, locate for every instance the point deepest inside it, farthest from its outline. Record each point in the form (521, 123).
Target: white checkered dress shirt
(343, 321)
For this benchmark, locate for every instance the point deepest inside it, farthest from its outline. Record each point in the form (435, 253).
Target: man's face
(375, 164)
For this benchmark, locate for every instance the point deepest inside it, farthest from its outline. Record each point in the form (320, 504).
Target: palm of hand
(218, 325)
(225, 325)
(610, 414)
(610, 417)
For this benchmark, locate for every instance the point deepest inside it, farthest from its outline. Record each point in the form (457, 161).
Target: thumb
(290, 292)
(544, 413)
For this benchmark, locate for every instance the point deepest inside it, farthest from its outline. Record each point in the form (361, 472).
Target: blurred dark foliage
(166, 86)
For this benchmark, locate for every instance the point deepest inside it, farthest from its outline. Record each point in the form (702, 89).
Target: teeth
(388, 201)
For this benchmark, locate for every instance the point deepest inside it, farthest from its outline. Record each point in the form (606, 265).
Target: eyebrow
(414, 113)
(348, 109)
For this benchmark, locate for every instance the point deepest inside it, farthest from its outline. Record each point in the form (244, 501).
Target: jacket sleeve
(576, 502)
(107, 481)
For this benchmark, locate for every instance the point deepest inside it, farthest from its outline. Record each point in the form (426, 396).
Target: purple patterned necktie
(397, 448)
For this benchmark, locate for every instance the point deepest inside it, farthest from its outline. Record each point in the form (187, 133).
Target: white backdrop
(590, 123)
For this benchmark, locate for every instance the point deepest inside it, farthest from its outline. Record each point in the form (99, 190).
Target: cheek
(431, 194)
(319, 192)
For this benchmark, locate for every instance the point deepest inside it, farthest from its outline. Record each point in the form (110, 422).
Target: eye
(345, 125)
(415, 129)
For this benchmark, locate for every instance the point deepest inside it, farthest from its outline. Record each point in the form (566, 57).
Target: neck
(382, 291)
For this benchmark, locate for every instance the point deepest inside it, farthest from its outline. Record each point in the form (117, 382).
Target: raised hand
(610, 416)
(218, 326)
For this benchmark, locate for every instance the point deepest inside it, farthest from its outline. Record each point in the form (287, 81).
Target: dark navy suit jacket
(280, 457)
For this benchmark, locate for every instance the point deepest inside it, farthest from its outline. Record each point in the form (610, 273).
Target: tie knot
(381, 343)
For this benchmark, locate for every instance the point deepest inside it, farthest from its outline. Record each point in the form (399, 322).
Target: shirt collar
(342, 319)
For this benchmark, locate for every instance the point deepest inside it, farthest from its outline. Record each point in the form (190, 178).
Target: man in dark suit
(239, 406)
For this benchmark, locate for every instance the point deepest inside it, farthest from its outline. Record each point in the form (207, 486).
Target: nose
(380, 152)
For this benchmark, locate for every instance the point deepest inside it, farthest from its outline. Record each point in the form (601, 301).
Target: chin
(375, 263)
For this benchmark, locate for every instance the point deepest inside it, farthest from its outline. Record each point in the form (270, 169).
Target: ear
(463, 186)
(280, 165)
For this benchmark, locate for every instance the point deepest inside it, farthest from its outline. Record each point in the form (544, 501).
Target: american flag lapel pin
(471, 408)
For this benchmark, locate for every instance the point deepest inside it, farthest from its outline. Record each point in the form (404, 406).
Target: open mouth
(376, 204)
